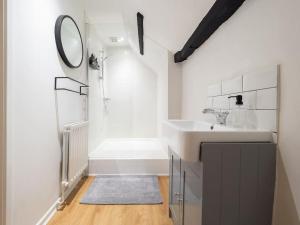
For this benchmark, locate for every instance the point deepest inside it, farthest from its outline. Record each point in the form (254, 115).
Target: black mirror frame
(59, 44)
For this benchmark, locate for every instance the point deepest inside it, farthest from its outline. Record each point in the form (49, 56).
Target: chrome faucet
(220, 116)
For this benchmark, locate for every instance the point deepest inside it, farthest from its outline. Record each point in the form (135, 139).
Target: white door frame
(2, 112)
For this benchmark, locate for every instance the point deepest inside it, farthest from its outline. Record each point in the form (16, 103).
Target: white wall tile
(134, 93)
(209, 103)
(234, 85)
(247, 117)
(214, 89)
(267, 99)
(249, 100)
(232, 102)
(266, 119)
(221, 102)
(210, 118)
(259, 91)
(263, 78)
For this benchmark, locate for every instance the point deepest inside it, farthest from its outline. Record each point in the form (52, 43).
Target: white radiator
(74, 156)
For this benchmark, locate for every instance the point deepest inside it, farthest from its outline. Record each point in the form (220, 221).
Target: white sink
(185, 136)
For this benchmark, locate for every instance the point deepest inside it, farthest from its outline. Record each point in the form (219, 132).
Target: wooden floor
(79, 214)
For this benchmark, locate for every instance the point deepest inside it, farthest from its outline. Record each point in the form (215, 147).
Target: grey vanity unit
(231, 184)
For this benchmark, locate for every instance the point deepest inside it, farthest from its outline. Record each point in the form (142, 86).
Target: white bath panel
(129, 156)
(157, 167)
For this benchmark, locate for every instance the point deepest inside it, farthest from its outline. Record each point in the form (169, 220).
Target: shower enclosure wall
(123, 115)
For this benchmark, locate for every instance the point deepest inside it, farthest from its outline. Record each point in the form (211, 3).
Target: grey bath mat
(123, 190)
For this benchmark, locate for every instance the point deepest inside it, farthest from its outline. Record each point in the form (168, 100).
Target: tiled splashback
(260, 96)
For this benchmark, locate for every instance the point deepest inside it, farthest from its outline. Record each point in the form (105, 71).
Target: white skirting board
(49, 214)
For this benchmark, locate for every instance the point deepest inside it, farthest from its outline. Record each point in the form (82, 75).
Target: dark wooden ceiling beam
(221, 11)
(140, 24)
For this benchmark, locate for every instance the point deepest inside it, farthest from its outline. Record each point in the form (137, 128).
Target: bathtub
(129, 156)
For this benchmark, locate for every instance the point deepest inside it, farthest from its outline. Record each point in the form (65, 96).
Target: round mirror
(69, 41)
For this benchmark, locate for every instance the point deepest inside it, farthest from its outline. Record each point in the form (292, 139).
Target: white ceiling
(167, 22)
(106, 31)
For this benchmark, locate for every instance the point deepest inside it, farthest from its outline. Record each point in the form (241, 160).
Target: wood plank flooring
(79, 214)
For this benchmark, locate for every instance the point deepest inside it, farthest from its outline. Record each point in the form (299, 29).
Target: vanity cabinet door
(191, 197)
(174, 198)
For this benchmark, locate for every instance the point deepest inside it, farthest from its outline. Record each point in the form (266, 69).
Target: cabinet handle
(178, 196)
(180, 199)
(183, 197)
(200, 153)
(171, 172)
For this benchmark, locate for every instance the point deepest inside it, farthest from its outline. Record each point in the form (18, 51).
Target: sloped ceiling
(106, 31)
(167, 22)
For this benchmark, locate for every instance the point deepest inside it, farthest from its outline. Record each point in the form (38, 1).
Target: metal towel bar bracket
(82, 85)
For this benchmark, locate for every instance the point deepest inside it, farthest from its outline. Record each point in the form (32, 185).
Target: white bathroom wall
(260, 33)
(132, 89)
(156, 57)
(3, 114)
(109, 121)
(35, 113)
(174, 88)
(97, 113)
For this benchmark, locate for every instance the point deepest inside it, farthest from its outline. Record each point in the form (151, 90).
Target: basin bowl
(184, 137)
